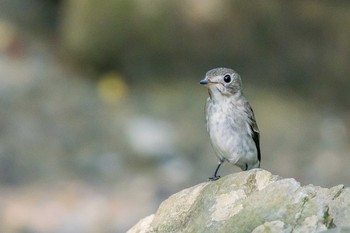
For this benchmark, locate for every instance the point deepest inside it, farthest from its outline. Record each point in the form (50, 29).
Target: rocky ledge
(252, 201)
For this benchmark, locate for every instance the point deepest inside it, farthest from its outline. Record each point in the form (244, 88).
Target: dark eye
(227, 78)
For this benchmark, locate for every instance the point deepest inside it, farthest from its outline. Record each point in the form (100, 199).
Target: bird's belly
(232, 145)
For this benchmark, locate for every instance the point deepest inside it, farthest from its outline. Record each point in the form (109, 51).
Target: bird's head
(222, 82)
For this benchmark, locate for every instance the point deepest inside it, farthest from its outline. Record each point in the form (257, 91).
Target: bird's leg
(215, 176)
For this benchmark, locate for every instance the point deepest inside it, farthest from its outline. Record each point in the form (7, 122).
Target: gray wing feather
(255, 132)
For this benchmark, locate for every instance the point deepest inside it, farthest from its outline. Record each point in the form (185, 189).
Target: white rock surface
(252, 201)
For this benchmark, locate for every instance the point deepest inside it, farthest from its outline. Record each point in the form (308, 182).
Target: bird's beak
(207, 82)
(204, 82)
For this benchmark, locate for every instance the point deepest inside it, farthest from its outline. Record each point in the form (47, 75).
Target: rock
(252, 201)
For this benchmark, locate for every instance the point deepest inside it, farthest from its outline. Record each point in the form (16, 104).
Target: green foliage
(291, 43)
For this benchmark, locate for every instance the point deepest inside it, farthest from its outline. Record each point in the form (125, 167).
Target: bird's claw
(214, 178)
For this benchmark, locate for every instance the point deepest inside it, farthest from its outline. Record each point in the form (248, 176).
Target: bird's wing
(255, 131)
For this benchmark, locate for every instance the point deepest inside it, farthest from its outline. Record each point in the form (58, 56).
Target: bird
(230, 120)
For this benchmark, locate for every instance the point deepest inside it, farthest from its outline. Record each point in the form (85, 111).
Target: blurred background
(102, 115)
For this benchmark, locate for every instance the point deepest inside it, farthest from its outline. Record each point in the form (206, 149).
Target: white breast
(230, 133)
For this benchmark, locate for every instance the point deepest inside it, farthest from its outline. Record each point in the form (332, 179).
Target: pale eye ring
(227, 78)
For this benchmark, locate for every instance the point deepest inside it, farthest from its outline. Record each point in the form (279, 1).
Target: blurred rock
(151, 137)
(251, 201)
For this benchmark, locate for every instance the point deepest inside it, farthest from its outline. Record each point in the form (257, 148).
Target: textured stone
(252, 201)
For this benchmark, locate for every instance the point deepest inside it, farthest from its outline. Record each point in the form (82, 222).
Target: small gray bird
(231, 124)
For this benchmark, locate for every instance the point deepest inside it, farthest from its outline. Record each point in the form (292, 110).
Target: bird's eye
(227, 78)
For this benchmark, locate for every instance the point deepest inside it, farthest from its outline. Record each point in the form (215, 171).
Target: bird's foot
(214, 178)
